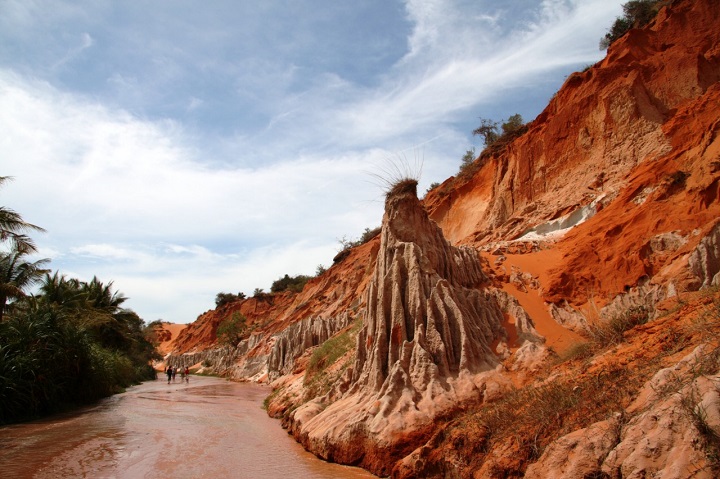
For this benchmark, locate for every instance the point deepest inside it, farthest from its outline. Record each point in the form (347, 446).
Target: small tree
(233, 330)
(467, 159)
(221, 299)
(287, 283)
(17, 275)
(488, 129)
(514, 124)
(433, 185)
(636, 14)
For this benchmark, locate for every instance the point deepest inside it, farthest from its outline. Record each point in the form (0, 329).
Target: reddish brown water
(207, 428)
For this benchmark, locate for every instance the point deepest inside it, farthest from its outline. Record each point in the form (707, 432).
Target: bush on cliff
(221, 299)
(636, 14)
(233, 330)
(495, 136)
(288, 283)
(317, 379)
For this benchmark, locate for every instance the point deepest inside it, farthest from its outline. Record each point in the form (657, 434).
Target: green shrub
(636, 14)
(221, 299)
(492, 136)
(55, 355)
(331, 350)
(467, 159)
(347, 244)
(288, 283)
(233, 330)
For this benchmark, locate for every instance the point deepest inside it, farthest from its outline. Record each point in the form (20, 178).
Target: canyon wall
(500, 289)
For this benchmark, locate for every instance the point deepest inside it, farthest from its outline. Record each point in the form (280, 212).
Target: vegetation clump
(232, 330)
(221, 299)
(347, 244)
(612, 331)
(318, 380)
(403, 187)
(636, 14)
(68, 345)
(288, 283)
(509, 130)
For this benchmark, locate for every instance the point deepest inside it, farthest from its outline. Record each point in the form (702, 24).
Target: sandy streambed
(207, 427)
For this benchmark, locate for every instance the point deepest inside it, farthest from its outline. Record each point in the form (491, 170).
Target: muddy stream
(205, 428)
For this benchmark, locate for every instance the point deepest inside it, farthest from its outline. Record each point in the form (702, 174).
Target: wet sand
(207, 428)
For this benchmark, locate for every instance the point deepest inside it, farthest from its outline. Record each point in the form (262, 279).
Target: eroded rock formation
(297, 338)
(431, 339)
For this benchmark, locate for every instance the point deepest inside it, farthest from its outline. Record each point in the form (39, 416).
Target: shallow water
(207, 427)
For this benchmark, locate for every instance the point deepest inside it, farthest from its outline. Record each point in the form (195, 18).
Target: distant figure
(174, 372)
(169, 372)
(187, 374)
(182, 374)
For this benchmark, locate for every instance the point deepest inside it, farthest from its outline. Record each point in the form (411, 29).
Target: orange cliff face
(631, 143)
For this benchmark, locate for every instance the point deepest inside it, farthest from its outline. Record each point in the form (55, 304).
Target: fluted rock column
(426, 319)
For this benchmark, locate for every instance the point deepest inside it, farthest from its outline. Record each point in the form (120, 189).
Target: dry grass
(519, 426)
(320, 377)
(611, 332)
(398, 175)
(525, 421)
(403, 187)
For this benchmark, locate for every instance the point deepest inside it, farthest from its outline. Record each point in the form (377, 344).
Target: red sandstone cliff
(554, 314)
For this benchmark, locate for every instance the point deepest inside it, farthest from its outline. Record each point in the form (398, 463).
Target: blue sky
(182, 148)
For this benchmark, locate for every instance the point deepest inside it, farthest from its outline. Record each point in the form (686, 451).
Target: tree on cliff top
(636, 14)
(287, 283)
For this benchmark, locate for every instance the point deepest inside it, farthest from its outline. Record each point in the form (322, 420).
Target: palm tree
(16, 275)
(102, 297)
(13, 227)
(57, 289)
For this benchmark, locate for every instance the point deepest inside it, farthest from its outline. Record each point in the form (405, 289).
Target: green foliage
(287, 283)
(467, 159)
(488, 130)
(54, 356)
(221, 299)
(491, 135)
(332, 349)
(636, 14)
(17, 275)
(233, 330)
(495, 135)
(347, 244)
(319, 378)
(320, 270)
(13, 228)
(512, 125)
(434, 185)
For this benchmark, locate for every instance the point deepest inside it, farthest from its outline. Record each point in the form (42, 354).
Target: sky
(179, 148)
